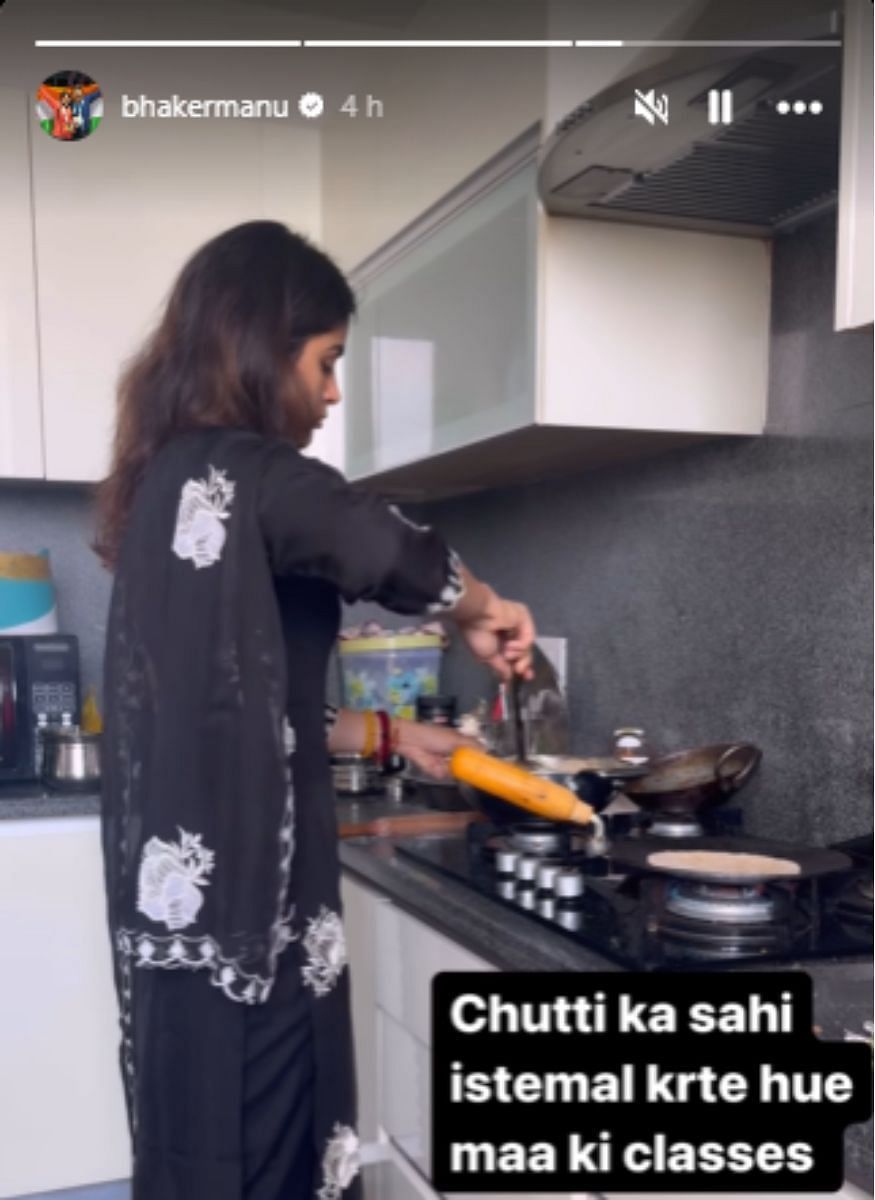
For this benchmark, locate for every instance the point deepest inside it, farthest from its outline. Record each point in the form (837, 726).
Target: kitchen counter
(23, 802)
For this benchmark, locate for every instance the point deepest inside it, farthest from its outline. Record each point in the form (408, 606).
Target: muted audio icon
(719, 106)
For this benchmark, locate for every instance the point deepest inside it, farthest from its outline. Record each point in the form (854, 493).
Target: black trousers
(223, 1092)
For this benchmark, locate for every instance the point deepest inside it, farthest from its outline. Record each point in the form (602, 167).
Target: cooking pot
(695, 779)
(354, 775)
(71, 759)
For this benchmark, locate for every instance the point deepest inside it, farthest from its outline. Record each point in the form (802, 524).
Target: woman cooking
(231, 553)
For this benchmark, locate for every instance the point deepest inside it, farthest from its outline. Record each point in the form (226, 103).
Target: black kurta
(220, 837)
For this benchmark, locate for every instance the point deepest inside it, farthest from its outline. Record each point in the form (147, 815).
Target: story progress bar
(441, 44)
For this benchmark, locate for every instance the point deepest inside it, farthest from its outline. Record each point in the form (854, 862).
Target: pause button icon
(719, 106)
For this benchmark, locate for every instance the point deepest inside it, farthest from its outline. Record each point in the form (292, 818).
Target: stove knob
(506, 888)
(545, 906)
(546, 876)
(569, 918)
(527, 868)
(506, 861)
(568, 883)
(525, 897)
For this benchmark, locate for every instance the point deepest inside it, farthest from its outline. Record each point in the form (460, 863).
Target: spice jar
(630, 746)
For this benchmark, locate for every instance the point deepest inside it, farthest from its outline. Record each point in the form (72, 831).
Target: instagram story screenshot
(436, 590)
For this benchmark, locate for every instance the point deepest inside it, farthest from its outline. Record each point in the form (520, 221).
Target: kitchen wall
(57, 518)
(724, 591)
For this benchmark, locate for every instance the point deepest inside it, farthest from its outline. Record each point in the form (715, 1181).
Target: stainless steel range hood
(757, 170)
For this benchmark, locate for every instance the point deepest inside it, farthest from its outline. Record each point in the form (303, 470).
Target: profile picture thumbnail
(69, 105)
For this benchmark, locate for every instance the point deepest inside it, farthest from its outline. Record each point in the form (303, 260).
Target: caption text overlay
(626, 1082)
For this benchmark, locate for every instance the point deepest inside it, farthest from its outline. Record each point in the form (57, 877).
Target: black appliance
(650, 920)
(39, 687)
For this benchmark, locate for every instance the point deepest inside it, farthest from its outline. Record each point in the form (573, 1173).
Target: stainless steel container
(70, 759)
(354, 775)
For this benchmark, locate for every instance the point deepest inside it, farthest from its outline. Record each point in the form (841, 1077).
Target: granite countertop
(25, 801)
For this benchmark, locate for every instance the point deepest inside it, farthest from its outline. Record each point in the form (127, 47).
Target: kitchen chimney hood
(746, 144)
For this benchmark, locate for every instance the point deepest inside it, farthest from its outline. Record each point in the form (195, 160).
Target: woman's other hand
(427, 746)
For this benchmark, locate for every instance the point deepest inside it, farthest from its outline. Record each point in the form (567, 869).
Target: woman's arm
(426, 746)
(347, 732)
(315, 524)
(498, 632)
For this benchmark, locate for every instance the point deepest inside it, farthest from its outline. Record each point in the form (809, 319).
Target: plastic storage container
(27, 593)
(390, 672)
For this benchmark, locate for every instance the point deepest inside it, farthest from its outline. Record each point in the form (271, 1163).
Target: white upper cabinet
(443, 354)
(21, 442)
(495, 344)
(854, 276)
(145, 196)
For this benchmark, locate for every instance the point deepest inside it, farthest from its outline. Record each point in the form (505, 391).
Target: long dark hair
(237, 317)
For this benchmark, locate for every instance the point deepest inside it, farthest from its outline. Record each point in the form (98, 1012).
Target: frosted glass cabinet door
(359, 385)
(443, 352)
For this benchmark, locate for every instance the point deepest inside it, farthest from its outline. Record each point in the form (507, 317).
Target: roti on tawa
(722, 862)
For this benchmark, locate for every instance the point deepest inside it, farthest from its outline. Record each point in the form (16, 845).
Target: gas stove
(645, 920)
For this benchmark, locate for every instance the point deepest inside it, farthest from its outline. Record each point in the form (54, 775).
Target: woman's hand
(502, 637)
(427, 746)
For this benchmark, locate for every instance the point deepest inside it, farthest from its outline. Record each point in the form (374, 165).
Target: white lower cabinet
(409, 955)
(395, 1179)
(394, 1038)
(404, 1097)
(360, 905)
(62, 1116)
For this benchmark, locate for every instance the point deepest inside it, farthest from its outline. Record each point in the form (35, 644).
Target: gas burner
(713, 921)
(645, 920)
(724, 903)
(675, 825)
(539, 838)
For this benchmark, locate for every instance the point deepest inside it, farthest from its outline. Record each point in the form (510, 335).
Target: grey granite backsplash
(721, 592)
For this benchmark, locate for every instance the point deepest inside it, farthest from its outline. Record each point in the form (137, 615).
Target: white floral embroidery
(340, 1162)
(453, 589)
(281, 930)
(127, 1056)
(325, 944)
(197, 954)
(203, 506)
(170, 879)
(396, 512)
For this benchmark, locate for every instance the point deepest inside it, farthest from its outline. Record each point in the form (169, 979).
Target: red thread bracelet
(385, 748)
